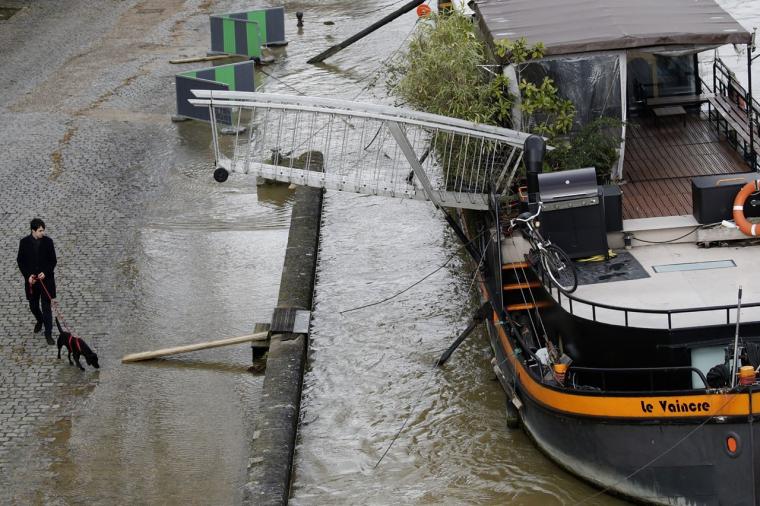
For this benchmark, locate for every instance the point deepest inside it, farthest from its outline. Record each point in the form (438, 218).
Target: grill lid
(567, 184)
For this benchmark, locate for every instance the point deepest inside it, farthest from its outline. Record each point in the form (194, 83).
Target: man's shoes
(49, 340)
(37, 327)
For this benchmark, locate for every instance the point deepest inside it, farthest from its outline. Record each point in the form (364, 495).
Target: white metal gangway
(362, 148)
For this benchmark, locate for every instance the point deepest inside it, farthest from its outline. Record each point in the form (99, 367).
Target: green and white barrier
(233, 77)
(243, 33)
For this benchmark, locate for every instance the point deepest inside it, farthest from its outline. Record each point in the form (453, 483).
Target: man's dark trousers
(46, 314)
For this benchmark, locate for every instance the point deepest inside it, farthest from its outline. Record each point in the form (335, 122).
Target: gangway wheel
(221, 174)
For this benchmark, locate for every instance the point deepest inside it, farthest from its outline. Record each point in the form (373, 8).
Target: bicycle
(552, 259)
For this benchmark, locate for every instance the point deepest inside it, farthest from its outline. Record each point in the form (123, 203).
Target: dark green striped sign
(243, 33)
(233, 77)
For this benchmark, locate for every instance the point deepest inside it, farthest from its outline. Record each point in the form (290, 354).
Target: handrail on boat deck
(627, 311)
(603, 370)
(650, 370)
(725, 84)
(728, 81)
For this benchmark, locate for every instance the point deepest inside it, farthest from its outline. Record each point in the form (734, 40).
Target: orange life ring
(751, 229)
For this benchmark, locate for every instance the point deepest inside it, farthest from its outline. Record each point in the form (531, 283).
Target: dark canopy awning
(579, 26)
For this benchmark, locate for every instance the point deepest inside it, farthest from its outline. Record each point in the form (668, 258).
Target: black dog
(78, 347)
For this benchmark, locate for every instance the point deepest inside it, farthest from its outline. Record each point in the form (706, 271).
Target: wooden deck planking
(661, 160)
(665, 197)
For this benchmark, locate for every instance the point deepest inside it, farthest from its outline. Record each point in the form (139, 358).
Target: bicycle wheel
(560, 268)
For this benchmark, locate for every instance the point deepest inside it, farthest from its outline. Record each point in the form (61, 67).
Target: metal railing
(364, 148)
(539, 370)
(649, 371)
(573, 301)
(726, 85)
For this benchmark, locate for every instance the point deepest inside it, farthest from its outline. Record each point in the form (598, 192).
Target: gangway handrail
(355, 109)
(361, 148)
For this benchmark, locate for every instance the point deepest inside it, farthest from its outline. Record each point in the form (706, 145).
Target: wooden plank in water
(149, 355)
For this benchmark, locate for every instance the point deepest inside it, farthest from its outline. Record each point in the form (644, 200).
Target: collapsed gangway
(361, 148)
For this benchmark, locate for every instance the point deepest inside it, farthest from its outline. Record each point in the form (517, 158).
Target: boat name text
(675, 407)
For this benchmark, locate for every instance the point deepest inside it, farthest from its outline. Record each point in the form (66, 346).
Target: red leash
(54, 304)
(59, 314)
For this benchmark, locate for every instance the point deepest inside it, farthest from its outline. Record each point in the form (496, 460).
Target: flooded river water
(205, 263)
(370, 371)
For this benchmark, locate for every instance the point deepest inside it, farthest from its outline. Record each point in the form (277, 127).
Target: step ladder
(522, 289)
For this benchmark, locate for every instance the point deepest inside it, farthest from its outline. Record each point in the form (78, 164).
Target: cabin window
(704, 359)
(590, 81)
(651, 75)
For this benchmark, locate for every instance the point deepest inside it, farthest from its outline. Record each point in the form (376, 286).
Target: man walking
(36, 260)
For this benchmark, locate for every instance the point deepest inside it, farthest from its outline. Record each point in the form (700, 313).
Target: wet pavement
(153, 253)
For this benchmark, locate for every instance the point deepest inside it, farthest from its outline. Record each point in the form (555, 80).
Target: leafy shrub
(596, 145)
(443, 71)
(446, 70)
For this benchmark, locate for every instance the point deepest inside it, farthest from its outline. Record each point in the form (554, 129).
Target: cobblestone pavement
(86, 92)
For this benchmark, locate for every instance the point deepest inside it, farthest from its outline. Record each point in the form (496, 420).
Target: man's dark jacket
(44, 261)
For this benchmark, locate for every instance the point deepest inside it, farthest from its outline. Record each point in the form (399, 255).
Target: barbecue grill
(572, 214)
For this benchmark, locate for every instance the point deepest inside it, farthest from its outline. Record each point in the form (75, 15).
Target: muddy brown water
(370, 371)
(209, 261)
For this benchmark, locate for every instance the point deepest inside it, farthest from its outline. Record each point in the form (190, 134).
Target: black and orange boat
(642, 380)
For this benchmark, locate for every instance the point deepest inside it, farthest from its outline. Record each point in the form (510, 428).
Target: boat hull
(663, 461)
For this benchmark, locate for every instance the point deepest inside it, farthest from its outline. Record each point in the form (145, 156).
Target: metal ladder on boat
(522, 288)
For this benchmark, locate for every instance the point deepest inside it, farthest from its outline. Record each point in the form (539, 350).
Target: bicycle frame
(551, 259)
(536, 240)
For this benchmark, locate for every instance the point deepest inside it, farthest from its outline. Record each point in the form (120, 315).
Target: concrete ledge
(277, 421)
(665, 228)
(661, 223)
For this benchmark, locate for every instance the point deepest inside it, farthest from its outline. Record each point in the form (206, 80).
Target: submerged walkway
(151, 252)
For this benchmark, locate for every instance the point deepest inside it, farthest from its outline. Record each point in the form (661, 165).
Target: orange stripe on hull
(639, 407)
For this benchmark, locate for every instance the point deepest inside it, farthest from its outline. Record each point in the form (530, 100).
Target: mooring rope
(432, 370)
(417, 282)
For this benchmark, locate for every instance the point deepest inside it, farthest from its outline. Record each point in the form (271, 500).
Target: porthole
(732, 444)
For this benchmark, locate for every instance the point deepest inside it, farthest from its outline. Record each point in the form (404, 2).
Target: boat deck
(632, 281)
(661, 158)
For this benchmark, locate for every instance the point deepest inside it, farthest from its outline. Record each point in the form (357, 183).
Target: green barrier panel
(233, 77)
(235, 36)
(243, 33)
